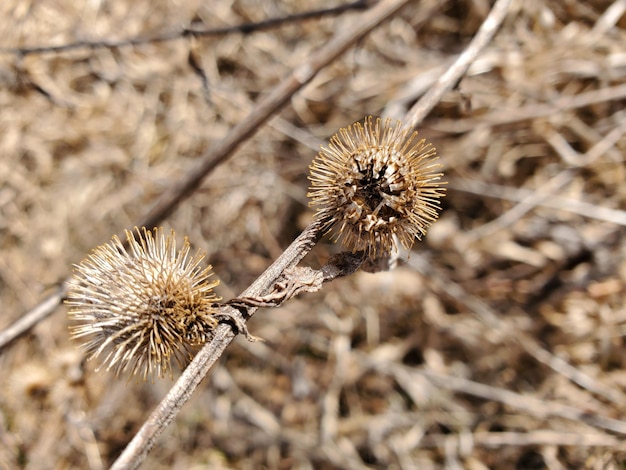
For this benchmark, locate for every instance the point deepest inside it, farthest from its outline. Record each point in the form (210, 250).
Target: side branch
(34, 316)
(456, 71)
(245, 28)
(179, 394)
(296, 280)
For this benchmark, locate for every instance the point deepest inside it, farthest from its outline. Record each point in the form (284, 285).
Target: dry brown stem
(525, 197)
(502, 117)
(194, 373)
(186, 32)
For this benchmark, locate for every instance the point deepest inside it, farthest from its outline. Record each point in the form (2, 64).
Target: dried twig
(456, 71)
(179, 394)
(295, 280)
(541, 437)
(33, 316)
(609, 18)
(506, 219)
(540, 408)
(189, 31)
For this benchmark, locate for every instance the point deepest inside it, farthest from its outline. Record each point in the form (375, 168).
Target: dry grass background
(500, 344)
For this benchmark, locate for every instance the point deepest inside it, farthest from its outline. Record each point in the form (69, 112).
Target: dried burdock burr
(375, 183)
(137, 309)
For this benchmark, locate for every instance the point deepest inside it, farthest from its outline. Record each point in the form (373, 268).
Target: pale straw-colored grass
(499, 343)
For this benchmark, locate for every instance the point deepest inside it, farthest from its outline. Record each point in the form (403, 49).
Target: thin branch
(456, 71)
(190, 31)
(609, 18)
(295, 280)
(547, 193)
(179, 394)
(33, 316)
(267, 107)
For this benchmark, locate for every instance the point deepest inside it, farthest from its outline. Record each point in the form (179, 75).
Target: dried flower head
(138, 309)
(374, 183)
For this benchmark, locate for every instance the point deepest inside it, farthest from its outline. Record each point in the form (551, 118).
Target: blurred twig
(506, 219)
(33, 316)
(541, 409)
(189, 31)
(541, 437)
(609, 18)
(456, 71)
(179, 394)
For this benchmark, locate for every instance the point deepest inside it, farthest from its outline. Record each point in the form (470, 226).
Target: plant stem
(455, 72)
(179, 394)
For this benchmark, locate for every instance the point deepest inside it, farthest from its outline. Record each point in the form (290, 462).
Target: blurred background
(498, 344)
